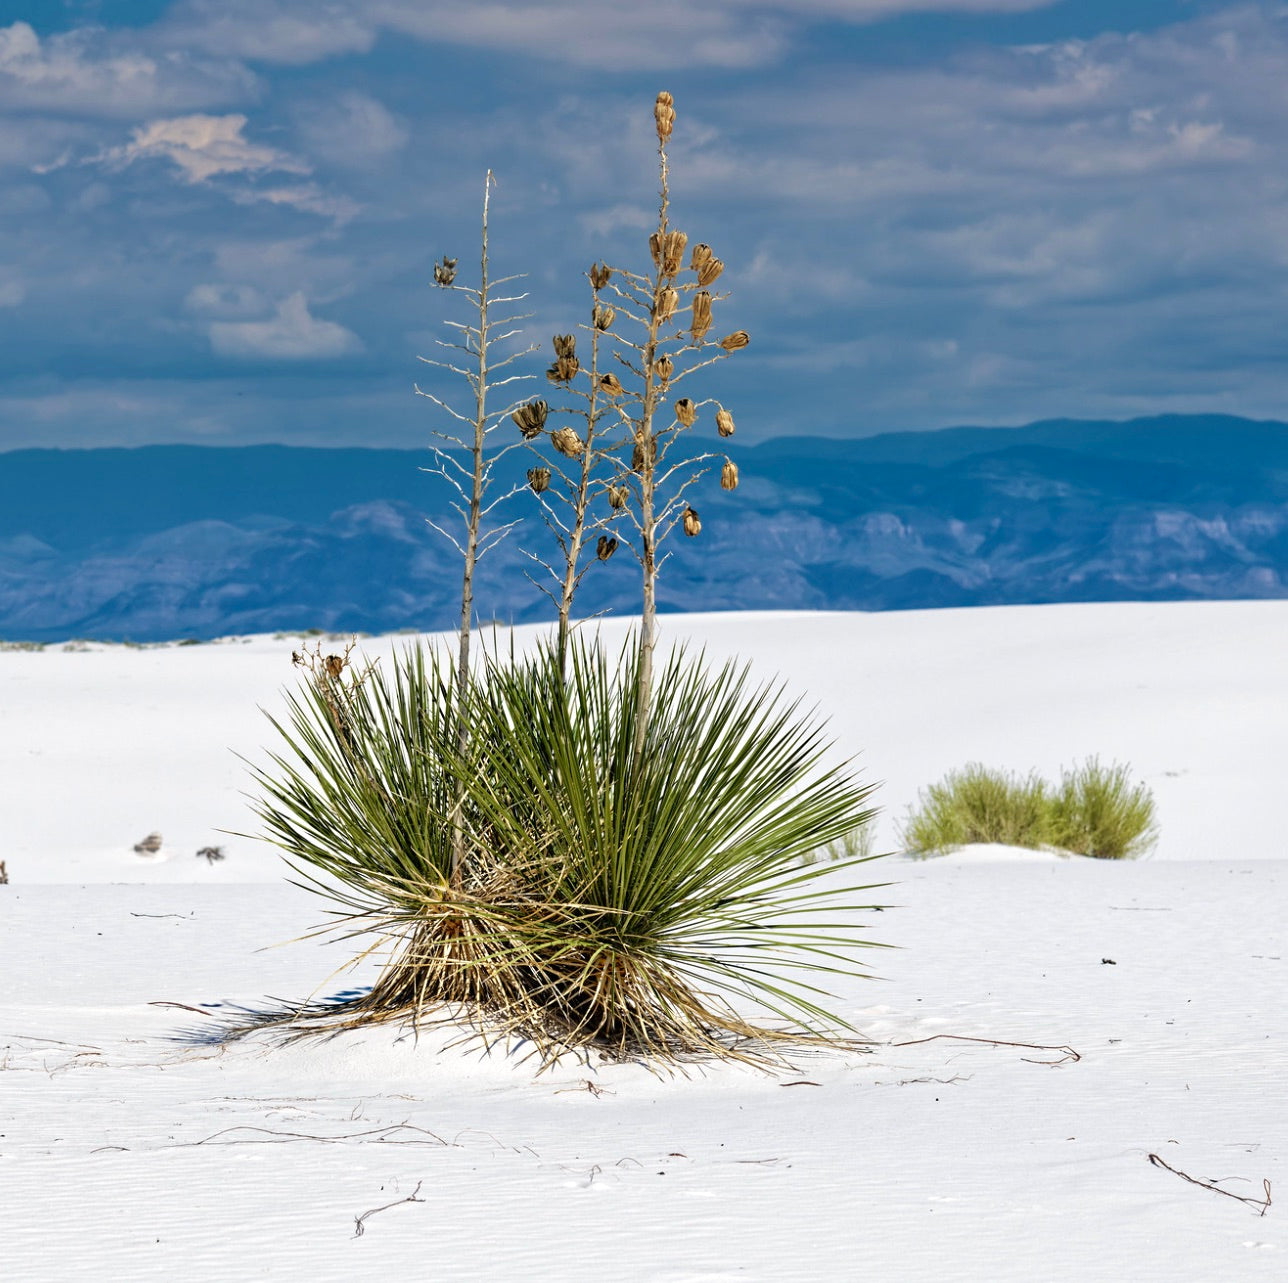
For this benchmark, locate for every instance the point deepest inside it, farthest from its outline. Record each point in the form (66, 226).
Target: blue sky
(220, 216)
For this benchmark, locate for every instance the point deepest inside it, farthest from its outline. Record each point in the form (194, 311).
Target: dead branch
(359, 1228)
(1069, 1053)
(1262, 1203)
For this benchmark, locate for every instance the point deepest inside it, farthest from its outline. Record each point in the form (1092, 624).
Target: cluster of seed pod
(603, 317)
(701, 315)
(445, 271)
(706, 264)
(664, 115)
(566, 365)
(567, 442)
(531, 419)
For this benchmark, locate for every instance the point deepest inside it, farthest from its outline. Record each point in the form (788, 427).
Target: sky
(219, 217)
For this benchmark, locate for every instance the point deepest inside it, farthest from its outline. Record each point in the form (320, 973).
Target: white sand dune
(1147, 998)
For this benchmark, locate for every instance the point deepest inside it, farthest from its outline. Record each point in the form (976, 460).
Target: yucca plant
(631, 904)
(566, 847)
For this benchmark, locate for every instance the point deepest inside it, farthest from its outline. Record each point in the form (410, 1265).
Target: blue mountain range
(163, 542)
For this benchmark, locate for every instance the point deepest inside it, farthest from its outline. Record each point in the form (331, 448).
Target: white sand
(127, 1152)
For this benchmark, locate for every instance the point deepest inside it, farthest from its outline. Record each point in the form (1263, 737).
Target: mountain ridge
(163, 541)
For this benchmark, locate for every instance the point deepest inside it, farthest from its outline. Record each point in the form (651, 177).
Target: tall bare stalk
(472, 481)
(574, 525)
(658, 482)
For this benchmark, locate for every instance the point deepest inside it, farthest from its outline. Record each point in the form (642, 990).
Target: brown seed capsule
(667, 302)
(334, 666)
(603, 317)
(566, 441)
(701, 254)
(709, 271)
(735, 341)
(655, 248)
(729, 476)
(644, 452)
(564, 370)
(686, 411)
(539, 479)
(617, 496)
(445, 271)
(664, 367)
(599, 275)
(664, 115)
(673, 244)
(530, 419)
(701, 315)
(605, 548)
(610, 385)
(724, 423)
(565, 344)
(692, 526)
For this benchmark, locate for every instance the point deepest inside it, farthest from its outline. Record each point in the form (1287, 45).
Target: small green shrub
(976, 804)
(1097, 811)
(1094, 811)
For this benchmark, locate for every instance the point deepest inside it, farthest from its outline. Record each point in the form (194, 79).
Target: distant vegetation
(1095, 810)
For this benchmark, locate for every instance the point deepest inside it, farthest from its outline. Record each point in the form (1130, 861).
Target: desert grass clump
(1098, 811)
(1095, 811)
(976, 804)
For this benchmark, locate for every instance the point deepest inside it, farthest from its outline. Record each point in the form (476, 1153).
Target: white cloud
(97, 72)
(203, 146)
(307, 197)
(225, 301)
(354, 130)
(292, 334)
(271, 30)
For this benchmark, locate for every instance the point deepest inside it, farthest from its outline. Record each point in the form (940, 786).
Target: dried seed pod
(605, 548)
(566, 441)
(692, 526)
(667, 302)
(334, 666)
(564, 370)
(530, 419)
(444, 271)
(664, 115)
(617, 496)
(729, 475)
(539, 479)
(709, 271)
(603, 316)
(645, 452)
(655, 248)
(735, 341)
(565, 344)
(724, 422)
(599, 275)
(701, 254)
(673, 244)
(701, 315)
(664, 367)
(686, 411)
(610, 385)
